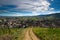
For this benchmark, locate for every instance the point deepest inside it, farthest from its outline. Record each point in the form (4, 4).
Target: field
(47, 33)
(12, 34)
(36, 33)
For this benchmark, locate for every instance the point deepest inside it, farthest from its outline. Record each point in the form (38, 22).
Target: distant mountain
(51, 16)
(51, 20)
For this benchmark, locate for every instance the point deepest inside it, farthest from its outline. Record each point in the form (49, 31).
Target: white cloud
(34, 6)
(51, 9)
(37, 6)
(44, 6)
(29, 14)
(52, 0)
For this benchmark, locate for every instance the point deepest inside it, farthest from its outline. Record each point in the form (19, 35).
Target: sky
(28, 7)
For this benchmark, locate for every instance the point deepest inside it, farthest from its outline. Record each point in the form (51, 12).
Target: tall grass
(47, 33)
(13, 33)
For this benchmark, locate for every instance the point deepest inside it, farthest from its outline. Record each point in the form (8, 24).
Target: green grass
(14, 33)
(47, 33)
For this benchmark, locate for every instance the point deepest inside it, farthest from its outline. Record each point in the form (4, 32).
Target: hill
(52, 20)
(55, 16)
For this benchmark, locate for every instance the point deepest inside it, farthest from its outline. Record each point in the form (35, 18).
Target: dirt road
(29, 35)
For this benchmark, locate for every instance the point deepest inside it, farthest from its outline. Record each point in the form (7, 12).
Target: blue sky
(28, 7)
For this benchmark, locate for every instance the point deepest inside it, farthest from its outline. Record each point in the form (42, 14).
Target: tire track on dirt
(27, 36)
(30, 35)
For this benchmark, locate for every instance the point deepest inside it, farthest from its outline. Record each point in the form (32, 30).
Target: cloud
(52, 0)
(32, 6)
(39, 6)
(20, 14)
(51, 9)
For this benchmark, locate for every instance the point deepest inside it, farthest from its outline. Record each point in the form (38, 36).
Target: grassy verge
(11, 34)
(47, 33)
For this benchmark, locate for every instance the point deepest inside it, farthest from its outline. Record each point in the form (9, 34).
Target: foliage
(12, 33)
(47, 33)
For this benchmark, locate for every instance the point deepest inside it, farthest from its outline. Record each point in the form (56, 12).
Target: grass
(47, 33)
(12, 33)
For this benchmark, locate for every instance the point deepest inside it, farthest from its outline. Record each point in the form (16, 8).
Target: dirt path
(30, 35)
